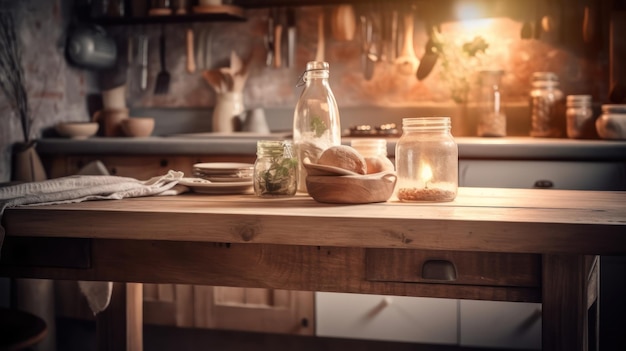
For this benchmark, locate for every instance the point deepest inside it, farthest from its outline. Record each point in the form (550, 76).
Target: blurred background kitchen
(382, 69)
(521, 37)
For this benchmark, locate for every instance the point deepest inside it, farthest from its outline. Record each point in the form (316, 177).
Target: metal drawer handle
(439, 270)
(544, 184)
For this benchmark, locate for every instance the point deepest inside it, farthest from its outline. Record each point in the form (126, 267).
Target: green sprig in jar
(275, 169)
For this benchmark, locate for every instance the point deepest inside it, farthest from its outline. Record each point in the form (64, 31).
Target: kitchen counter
(525, 245)
(243, 144)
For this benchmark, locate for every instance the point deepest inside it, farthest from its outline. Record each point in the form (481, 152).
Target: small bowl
(352, 189)
(138, 126)
(77, 130)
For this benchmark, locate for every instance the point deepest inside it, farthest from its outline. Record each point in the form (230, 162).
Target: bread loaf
(378, 164)
(345, 157)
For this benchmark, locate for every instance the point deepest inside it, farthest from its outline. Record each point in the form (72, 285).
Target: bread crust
(343, 156)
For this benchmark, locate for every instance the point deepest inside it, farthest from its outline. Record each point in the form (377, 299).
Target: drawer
(573, 175)
(388, 318)
(453, 267)
(510, 325)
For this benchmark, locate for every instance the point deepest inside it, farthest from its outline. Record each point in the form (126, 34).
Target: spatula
(162, 85)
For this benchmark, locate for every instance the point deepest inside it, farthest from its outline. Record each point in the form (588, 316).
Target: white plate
(223, 167)
(204, 186)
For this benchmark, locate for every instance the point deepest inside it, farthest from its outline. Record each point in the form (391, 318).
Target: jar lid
(578, 99)
(614, 108)
(544, 76)
(427, 123)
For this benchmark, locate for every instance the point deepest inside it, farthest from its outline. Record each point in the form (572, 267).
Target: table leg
(565, 286)
(120, 326)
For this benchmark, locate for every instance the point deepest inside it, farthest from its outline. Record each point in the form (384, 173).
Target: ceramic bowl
(77, 130)
(351, 189)
(138, 126)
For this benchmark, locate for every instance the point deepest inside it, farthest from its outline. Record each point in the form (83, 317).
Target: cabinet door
(389, 318)
(511, 325)
(229, 308)
(573, 175)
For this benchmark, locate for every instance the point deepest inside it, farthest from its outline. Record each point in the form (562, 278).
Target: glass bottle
(427, 161)
(547, 106)
(492, 119)
(275, 169)
(316, 125)
(579, 116)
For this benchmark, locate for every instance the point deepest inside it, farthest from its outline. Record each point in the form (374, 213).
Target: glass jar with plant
(275, 169)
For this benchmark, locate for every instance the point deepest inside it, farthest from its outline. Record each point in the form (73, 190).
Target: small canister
(580, 123)
(275, 169)
(427, 161)
(547, 106)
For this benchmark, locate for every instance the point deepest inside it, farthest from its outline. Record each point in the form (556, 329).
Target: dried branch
(12, 73)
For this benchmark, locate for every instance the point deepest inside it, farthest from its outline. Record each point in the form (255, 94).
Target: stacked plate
(221, 178)
(220, 172)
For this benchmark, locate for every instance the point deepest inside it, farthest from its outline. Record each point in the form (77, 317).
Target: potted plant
(26, 162)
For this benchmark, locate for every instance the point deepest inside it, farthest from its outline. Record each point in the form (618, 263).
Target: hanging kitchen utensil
(430, 57)
(191, 63)
(538, 29)
(407, 61)
(366, 39)
(269, 39)
(278, 44)
(319, 54)
(162, 84)
(89, 46)
(343, 22)
(291, 37)
(143, 59)
(200, 48)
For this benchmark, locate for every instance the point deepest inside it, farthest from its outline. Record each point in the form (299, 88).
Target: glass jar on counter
(579, 116)
(427, 161)
(316, 125)
(492, 119)
(547, 106)
(275, 169)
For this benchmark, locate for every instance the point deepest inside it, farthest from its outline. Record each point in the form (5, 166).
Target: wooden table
(491, 244)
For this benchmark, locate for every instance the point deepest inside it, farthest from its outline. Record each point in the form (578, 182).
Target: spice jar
(579, 116)
(427, 161)
(546, 105)
(492, 119)
(316, 125)
(275, 169)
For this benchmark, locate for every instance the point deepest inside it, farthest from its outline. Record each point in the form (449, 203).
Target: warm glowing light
(426, 173)
(466, 10)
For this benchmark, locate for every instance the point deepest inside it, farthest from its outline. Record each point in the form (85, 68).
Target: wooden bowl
(352, 189)
(77, 130)
(138, 126)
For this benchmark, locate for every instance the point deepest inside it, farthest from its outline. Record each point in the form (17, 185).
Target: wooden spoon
(407, 62)
(319, 55)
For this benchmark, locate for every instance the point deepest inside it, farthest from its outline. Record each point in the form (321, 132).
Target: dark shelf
(230, 14)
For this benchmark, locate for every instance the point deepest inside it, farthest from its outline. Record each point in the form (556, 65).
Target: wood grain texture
(480, 219)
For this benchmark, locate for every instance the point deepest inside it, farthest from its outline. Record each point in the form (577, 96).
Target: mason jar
(547, 106)
(275, 169)
(427, 161)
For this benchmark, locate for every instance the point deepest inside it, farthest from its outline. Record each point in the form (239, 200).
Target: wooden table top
(480, 219)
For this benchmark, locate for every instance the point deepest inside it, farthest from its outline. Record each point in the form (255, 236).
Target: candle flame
(426, 173)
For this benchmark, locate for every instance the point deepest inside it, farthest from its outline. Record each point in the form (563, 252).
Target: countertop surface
(245, 144)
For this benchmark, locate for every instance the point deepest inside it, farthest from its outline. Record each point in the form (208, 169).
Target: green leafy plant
(279, 172)
(458, 63)
(318, 126)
